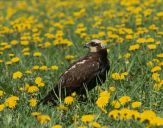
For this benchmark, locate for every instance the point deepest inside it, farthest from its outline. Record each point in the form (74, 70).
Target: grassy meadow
(39, 39)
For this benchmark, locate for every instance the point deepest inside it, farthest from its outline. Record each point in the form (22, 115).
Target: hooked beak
(86, 45)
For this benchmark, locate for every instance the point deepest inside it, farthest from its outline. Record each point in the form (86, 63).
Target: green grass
(138, 84)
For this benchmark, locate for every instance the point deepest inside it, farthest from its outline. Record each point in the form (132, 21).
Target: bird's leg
(51, 97)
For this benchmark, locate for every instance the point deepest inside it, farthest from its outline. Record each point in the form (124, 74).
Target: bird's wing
(81, 72)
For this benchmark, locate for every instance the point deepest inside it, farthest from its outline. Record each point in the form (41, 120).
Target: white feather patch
(96, 41)
(74, 66)
(82, 62)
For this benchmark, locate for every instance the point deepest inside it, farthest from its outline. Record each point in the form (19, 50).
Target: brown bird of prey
(82, 75)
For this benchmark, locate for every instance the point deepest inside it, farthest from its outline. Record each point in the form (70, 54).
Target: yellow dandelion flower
(43, 118)
(136, 104)
(95, 125)
(158, 42)
(160, 55)
(150, 40)
(116, 104)
(2, 106)
(125, 114)
(36, 113)
(11, 102)
(82, 127)
(112, 89)
(160, 14)
(26, 87)
(47, 44)
(1, 61)
(150, 64)
(69, 57)
(13, 98)
(69, 100)
(49, 35)
(25, 49)
(129, 37)
(158, 86)
(11, 55)
(41, 84)
(37, 54)
(43, 67)
(8, 63)
(38, 80)
(66, 42)
(124, 99)
(156, 60)
(127, 55)
(104, 94)
(15, 59)
(141, 40)
(24, 42)
(59, 33)
(157, 121)
(160, 64)
(54, 67)
(156, 77)
(14, 42)
(114, 114)
(26, 53)
(17, 75)
(33, 102)
(36, 67)
(153, 27)
(119, 76)
(122, 76)
(116, 76)
(21, 89)
(88, 118)
(135, 115)
(2, 93)
(57, 126)
(32, 89)
(73, 94)
(134, 47)
(125, 73)
(151, 46)
(147, 115)
(103, 100)
(28, 72)
(155, 69)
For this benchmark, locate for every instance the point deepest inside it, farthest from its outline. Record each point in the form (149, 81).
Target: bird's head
(95, 45)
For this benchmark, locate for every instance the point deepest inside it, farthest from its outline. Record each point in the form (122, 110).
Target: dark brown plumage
(84, 73)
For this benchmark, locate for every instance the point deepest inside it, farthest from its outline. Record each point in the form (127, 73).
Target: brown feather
(84, 72)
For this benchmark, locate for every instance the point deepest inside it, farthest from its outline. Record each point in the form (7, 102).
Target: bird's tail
(52, 97)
